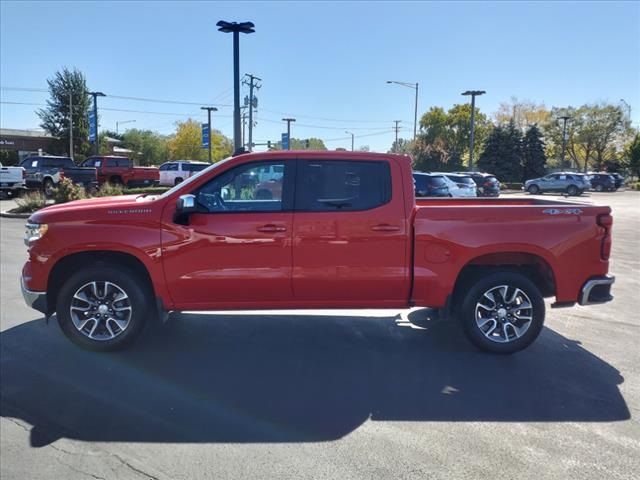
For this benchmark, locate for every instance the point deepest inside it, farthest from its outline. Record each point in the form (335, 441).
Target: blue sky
(324, 63)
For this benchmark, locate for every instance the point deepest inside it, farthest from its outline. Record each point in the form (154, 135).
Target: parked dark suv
(602, 182)
(488, 185)
(430, 185)
(618, 178)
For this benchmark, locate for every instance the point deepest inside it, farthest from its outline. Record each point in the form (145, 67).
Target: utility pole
(474, 94)
(289, 120)
(209, 110)
(252, 103)
(71, 125)
(244, 125)
(352, 138)
(564, 119)
(236, 29)
(95, 95)
(396, 128)
(628, 109)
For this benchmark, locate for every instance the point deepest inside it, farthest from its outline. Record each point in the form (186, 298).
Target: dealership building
(18, 144)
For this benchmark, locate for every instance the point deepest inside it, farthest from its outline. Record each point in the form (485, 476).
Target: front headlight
(35, 231)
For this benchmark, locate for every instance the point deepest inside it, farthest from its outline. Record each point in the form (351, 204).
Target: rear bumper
(36, 300)
(597, 290)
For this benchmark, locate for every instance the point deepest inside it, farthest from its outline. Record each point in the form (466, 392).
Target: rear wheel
(572, 190)
(502, 313)
(48, 187)
(599, 188)
(103, 308)
(533, 189)
(115, 181)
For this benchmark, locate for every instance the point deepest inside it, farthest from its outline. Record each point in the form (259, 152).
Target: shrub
(511, 186)
(108, 190)
(634, 185)
(30, 202)
(149, 190)
(67, 191)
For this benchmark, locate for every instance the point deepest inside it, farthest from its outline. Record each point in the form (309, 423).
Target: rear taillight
(61, 172)
(24, 173)
(606, 222)
(487, 184)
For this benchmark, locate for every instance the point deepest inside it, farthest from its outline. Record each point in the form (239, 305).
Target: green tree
(186, 143)
(150, 148)
(402, 146)
(594, 133)
(447, 133)
(502, 153)
(533, 156)
(55, 116)
(632, 153)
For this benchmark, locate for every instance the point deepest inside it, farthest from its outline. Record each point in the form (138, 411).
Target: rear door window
(437, 181)
(336, 185)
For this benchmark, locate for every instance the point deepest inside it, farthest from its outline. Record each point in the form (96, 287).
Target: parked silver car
(563, 182)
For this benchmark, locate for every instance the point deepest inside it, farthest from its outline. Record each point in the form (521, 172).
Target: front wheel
(572, 190)
(502, 312)
(103, 308)
(533, 189)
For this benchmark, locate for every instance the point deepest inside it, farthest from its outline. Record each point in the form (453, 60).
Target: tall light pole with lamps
(474, 94)
(289, 120)
(415, 113)
(236, 28)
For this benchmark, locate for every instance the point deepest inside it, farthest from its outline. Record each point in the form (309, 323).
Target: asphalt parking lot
(341, 395)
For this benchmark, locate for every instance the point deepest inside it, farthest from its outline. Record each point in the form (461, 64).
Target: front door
(236, 250)
(350, 234)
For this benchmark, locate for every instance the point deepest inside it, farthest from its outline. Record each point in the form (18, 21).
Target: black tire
(140, 299)
(178, 181)
(572, 190)
(48, 187)
(116, 181)
(533, 189)
(599, 188)
(475, 294)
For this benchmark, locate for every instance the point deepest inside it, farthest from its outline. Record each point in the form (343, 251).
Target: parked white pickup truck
(11, 180)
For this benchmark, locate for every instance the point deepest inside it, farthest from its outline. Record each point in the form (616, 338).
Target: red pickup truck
(345, 231)
(120, 171)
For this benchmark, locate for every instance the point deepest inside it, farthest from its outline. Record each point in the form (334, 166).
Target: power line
(327, 119)
(323, 126)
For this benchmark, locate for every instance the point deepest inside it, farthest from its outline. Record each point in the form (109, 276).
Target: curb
(7, 214)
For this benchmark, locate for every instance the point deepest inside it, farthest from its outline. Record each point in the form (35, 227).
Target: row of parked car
(456, 184)
(573, 183)
(45, 172)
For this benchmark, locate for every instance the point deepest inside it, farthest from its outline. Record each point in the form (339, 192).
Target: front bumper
(597, 290)
(36, 300)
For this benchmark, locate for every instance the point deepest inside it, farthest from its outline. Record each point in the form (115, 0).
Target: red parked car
(120, 171)
(345, 231)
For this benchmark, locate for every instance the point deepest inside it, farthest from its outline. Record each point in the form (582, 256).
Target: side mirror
(185, 205)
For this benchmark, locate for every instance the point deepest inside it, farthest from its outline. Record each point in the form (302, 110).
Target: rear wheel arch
(533, 266)
(70, 264)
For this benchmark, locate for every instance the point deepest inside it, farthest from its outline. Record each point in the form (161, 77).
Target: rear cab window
(342, 185)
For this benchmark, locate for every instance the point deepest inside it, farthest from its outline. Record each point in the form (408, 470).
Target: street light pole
(564, 119)
(209, 110)
(474, 94)
(628, 108)
(236, 29)
(352, 138)
(95, 95)
(122, 123)
(415, 112)
(289, 120)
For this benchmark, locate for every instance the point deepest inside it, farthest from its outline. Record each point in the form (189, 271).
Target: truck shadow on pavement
(290, 378)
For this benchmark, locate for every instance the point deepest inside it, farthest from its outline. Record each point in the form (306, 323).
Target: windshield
(195, 177)
(436, 181)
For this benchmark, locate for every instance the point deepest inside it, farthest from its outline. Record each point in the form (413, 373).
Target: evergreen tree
(534, 158)
(55, 116)
(502, 153)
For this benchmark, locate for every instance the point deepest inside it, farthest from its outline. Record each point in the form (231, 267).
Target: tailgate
(81, 175)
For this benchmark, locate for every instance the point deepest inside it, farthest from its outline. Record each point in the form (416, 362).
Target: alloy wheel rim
(101, 310)
(504, 313)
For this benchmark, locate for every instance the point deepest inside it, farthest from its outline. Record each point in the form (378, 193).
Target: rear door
(350, 234)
